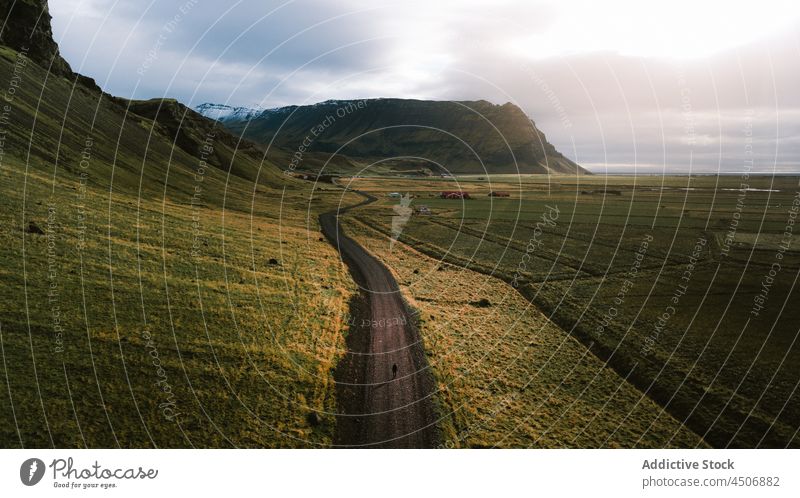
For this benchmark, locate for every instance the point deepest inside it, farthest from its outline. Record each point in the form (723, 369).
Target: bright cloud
(611, 82)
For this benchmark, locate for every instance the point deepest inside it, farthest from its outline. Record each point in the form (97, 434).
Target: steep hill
(161, 284)
(444, 136)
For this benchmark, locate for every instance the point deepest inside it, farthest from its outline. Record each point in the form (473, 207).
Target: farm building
(454, 194)
(394, 195)
(424, 210)
(498, 193)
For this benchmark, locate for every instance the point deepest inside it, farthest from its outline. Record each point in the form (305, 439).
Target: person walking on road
(394, 371)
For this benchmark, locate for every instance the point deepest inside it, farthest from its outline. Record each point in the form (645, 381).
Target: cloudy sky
(618, 85)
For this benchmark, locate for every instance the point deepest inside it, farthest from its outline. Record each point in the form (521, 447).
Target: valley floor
(509, 377)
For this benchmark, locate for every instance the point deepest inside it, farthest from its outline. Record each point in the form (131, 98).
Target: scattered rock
(481, 303)
(314, 419)
(416, 272)
(34, 229)
(273, 261)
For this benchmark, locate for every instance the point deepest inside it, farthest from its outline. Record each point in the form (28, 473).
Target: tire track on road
(376, 408)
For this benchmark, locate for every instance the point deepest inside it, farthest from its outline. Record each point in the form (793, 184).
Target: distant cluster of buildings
(460, 194)
(447, 194)
(454, 194)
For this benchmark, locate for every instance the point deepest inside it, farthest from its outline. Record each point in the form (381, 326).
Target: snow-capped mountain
(506, 140)
(226, 113)
(222, 112)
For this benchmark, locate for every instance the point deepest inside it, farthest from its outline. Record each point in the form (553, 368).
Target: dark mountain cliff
(54, 117)
(461, 137)
(26, 28)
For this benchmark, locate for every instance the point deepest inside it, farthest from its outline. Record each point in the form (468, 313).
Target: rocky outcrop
(27, 29)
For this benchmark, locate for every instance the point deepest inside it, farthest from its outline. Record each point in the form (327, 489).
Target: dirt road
(377, 410)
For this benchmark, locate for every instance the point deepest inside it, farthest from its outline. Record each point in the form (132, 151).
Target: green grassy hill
(162, 285)
(454, 137)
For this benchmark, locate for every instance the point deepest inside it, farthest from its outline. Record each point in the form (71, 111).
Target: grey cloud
(596, 107)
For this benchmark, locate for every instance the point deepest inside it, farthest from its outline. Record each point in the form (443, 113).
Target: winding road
(377, 409)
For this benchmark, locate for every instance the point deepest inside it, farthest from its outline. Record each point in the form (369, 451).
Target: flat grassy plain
(177, 293)
(665, 278)
(507, 376)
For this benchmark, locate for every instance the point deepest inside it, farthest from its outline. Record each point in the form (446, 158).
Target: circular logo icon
(31, 471)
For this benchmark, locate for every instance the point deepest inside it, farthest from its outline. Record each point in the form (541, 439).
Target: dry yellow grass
(509, 377)
(247, 347)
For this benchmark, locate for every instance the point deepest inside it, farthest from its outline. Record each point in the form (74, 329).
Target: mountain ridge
(128, 134)
(440, 135)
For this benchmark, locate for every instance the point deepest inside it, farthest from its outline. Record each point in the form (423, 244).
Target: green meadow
(684, 285)
(163, 286)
